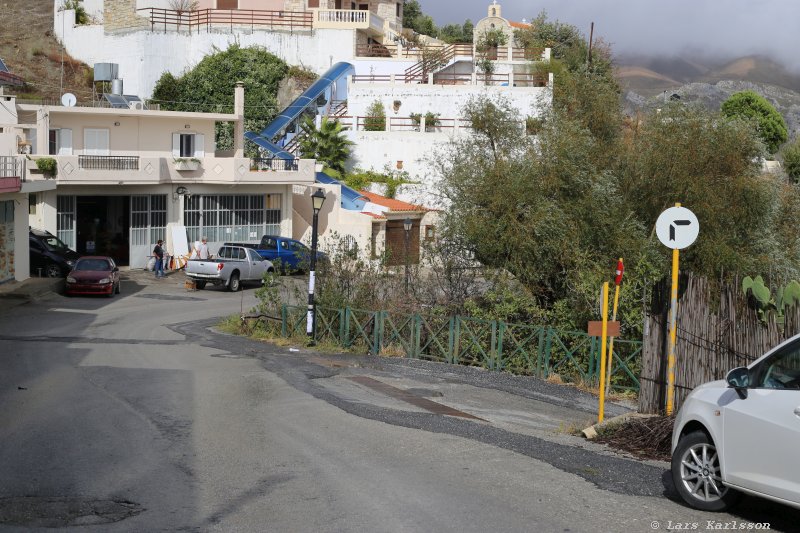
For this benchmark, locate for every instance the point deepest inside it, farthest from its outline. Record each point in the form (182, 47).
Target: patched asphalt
(304, 370)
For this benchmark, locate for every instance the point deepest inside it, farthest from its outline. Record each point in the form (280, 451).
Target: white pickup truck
(232, 266)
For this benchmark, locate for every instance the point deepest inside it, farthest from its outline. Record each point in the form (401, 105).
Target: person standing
(158, 252)
(204, 249)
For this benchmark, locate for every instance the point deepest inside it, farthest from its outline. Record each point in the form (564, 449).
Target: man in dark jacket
(158, 252)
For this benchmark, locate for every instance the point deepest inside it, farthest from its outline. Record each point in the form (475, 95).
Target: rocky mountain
(648, 82)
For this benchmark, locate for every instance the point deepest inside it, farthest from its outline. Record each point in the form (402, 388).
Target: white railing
(343, 16)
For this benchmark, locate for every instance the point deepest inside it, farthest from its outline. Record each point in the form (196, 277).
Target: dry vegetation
(31, 51)
(648, 438)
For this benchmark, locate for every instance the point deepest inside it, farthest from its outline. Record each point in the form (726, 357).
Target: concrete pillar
(422, 124)
(430, 79)
(238, 110)
(42, 132)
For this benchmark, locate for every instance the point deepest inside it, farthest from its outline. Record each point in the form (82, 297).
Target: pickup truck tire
(234, 285)
(200, 285)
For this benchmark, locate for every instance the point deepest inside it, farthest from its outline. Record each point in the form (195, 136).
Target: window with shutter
(95, 141)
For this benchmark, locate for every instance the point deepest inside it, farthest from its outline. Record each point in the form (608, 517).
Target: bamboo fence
(717, 331)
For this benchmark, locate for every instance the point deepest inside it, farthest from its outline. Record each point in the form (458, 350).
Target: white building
(123, 174)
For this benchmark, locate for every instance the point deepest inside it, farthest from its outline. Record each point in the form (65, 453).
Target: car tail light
(219, 266)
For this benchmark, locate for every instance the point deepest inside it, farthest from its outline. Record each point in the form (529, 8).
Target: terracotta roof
(391, 203)
(373, 215)
(519, 24)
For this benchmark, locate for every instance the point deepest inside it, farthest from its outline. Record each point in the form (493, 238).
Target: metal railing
(170, 19)
(108, 162)
(527, 54)
(523, 349)
(12, 167)
(274, 164)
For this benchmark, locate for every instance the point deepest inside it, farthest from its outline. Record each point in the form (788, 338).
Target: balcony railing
(170, 19)
(108, 162)
(12, 167)
(274, 164)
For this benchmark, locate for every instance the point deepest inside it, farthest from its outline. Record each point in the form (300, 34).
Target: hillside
(711, 96)
(653, 75)
(30, 50)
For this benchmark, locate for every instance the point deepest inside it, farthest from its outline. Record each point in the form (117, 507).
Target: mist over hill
(648, 81)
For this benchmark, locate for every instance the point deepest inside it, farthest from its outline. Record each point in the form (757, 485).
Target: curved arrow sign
(677, 228)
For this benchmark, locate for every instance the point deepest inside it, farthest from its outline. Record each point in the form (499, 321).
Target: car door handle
(797, 411)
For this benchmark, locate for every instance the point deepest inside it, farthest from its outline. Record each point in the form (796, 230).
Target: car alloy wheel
(53, 271)
(697, 476)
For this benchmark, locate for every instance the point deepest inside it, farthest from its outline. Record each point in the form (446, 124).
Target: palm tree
(327, 144)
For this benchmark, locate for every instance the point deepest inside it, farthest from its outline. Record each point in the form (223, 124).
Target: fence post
(539, 352)
(416, 332)
(377, 317)
(493, 347)
(592, 360)
(451, 339)
(457, 340)
(284, 312)
(500, 334)
(344, 327)
(547, 349)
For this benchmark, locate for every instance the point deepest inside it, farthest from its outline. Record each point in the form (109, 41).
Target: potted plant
(186, 163)
(47, 165)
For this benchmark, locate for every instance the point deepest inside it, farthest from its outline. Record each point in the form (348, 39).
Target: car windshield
(54, 243)
(93, 264)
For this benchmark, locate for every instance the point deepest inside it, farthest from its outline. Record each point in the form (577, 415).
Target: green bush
(376, 117)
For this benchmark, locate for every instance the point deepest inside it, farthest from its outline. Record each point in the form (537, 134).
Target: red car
(93, 275)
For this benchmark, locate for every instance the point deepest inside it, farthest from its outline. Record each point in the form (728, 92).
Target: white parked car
(742, 434)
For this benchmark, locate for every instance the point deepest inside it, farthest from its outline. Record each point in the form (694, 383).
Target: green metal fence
(539, 351)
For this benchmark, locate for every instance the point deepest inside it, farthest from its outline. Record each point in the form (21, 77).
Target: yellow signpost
(677, 228)
(617, 282)
(603, 337)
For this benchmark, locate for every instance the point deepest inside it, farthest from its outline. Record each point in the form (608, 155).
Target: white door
(65, 219)
(148, 225)
(761, 433)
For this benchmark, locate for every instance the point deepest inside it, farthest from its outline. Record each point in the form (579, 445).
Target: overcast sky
(728, 28)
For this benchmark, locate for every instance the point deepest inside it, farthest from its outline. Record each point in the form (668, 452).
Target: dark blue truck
(290, 254)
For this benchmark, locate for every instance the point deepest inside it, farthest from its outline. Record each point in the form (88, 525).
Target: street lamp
(317, 199)
(407, 226)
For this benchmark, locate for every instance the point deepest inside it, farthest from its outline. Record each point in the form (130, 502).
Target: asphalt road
(132, 414)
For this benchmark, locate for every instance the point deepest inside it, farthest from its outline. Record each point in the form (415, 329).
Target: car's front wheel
(697, 476)
(53, 271)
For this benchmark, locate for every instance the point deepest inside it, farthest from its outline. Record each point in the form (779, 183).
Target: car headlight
(104, 281)
(70, 279)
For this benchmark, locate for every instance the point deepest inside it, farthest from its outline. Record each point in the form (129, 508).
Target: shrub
(376, 117)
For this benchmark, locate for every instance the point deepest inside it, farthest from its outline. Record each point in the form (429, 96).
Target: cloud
(732, 28)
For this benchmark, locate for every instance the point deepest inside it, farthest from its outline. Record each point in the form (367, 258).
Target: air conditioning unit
(136, 105)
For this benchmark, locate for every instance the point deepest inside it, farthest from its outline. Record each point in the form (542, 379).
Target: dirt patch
(648, 438)
(30, 50)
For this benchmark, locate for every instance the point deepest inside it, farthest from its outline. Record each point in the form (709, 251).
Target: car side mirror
(739, 379)
(115, 269)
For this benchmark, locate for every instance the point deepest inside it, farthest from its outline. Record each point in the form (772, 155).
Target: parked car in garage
(94, 275)
(49, 256)
(742, 434)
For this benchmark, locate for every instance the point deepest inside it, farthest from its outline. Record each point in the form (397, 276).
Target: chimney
(238, 110)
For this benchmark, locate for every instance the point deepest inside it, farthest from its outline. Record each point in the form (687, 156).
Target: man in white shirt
(204, 249)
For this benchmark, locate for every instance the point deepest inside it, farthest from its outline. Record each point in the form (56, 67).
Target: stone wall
(121, 15)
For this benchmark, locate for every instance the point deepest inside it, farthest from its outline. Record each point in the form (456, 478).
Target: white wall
(446, 100)
(143, 55)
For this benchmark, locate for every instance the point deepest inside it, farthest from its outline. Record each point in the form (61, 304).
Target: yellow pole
(611, 340)
(604, 335)
(673, 331)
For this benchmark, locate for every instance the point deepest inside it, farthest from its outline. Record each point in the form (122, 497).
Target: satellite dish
(68, 100)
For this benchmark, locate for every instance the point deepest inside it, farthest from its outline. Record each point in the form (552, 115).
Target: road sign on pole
(677, 228)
